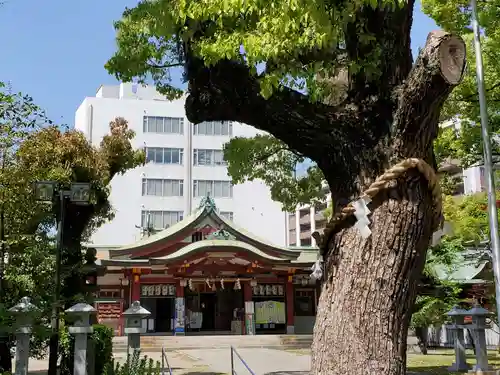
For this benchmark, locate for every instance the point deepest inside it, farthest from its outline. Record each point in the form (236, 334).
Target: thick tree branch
(439, 67)
(335, 137)
(391, 47)
(165, 66)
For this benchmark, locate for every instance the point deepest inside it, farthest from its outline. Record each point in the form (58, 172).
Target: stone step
(156, 343)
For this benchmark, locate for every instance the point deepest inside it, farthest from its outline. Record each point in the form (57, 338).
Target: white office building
(185, 162)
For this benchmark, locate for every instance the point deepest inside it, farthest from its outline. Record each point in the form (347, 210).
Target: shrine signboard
(268, 290)
(158, 290)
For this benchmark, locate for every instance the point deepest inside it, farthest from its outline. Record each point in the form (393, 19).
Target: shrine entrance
(213, 311)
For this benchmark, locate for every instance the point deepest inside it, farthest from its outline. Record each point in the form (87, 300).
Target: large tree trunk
(368, 294)
(368, 286)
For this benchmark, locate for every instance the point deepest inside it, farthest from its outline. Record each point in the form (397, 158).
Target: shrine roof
(221, 245)
(206, 209)
(305, 257)
(465, 270)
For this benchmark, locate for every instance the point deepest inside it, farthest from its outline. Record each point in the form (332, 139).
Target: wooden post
(290, 325)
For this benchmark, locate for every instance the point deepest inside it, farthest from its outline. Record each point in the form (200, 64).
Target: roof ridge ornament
(221, 234)
(208, 203)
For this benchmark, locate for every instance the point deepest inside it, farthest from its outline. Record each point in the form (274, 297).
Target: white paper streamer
(361, 212)
(317, 270)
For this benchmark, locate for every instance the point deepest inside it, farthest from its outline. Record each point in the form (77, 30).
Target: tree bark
(368, 287)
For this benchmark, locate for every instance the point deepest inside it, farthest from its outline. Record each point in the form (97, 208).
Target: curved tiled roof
(205, 211)
(221, 245)
(193, 248)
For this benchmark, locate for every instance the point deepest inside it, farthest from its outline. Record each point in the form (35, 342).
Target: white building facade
(184, 163)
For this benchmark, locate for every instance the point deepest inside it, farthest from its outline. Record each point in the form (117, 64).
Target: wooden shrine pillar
(290, 324)
(247, 298)
(135, 285)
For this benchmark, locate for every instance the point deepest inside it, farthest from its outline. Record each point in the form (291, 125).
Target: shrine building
(205, 275)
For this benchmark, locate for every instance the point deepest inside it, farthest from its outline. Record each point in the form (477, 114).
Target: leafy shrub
(100, 345)
(135, 365)
(66, 350)
(102, 341)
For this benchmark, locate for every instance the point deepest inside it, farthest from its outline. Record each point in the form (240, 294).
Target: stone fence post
(457, 317)
(22, 312)
(133, 325)
(80, 329)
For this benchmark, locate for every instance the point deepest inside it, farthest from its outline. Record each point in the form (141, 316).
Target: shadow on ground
(288, 373)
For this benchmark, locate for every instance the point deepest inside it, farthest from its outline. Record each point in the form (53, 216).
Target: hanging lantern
(190, 283)
(237, 285)
(222, 283)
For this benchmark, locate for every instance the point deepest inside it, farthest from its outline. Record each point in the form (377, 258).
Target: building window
(216, 189)
(320, 206)
(305, 227)
(160, 219)
(162, 188)
(227, 215)
(162, 155)
(306, 242)
(208, 157)
(165, 125)
(213, 128)
(196, 236)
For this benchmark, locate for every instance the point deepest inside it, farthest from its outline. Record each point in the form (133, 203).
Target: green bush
(66, 350)
(134, 366)
(100, 343)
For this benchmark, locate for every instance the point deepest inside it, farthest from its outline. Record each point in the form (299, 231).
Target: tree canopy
(464, 142)
(313, 46)
(33, 149)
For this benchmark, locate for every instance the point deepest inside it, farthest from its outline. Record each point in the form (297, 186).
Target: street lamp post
(488, 159)
(48, 191)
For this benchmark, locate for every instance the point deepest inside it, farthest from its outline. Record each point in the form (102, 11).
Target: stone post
(80, 313)
(22, 312)
(478, 328)
(457, 317)
(133, 325)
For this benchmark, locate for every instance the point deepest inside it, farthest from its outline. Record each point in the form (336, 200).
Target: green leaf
(266, 158)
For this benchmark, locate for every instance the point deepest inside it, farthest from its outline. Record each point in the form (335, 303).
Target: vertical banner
(179, 316)
(249, 318)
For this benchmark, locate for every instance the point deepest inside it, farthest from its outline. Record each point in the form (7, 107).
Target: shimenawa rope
(381, 183)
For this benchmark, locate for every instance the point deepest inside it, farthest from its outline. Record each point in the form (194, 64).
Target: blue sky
(55, 50)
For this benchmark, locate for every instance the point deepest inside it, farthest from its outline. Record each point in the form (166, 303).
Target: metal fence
(233, 354)
(164, 361)
(443, 336)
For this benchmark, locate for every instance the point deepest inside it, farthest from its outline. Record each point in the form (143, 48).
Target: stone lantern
(134, 316)
(457, 317)
(24, 320)
(478, 327)
(80, 314)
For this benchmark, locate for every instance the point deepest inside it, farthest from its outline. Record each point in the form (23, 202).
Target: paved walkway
(218, 362)
(260, 361)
